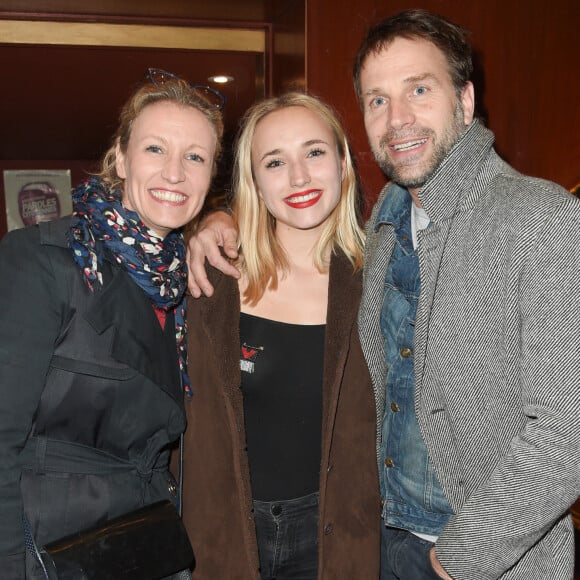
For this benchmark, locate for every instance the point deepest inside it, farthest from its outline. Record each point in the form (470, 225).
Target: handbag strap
(31, 545)
(180, 470)
(180, 475)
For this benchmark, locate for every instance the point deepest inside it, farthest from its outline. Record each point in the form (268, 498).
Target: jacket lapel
(450, 191)
(430, 250)
(344, 292)
(220, 317)
(139, 341)
(378, 249)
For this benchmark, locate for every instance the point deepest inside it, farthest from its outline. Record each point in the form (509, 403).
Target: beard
(408, 173)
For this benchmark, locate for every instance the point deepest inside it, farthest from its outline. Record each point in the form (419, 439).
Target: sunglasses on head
(159, 77)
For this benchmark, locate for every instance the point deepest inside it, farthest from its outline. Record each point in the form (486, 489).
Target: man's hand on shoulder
(217, 230)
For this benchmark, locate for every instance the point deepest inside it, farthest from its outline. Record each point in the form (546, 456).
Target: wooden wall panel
(45, 125)
(529, 57)
(289, 47)
(199, 9)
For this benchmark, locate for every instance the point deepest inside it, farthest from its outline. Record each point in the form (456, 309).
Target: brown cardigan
(217, 500)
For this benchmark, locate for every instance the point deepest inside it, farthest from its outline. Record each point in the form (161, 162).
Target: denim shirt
(412, 496)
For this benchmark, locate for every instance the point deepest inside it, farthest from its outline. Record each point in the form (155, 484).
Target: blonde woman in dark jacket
(92, 331)
(280, 477)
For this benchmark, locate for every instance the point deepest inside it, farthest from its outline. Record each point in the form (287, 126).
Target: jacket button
(328, 529)
(389, 462)
(171, 488)
(406, 352)
(395, 407)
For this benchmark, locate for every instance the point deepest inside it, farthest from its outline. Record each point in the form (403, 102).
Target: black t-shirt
(282, 366)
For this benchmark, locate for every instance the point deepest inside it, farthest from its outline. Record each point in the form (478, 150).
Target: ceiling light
(220, 79)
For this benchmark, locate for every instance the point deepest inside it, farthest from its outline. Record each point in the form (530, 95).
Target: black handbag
(146, 544)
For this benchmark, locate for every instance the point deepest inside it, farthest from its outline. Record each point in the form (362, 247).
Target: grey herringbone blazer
(497, 359)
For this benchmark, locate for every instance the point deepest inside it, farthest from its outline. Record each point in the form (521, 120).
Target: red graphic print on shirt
(248, 356)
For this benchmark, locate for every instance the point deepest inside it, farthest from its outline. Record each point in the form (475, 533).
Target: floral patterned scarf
(157, 265)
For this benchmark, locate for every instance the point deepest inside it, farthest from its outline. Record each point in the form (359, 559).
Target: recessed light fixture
(220, 79)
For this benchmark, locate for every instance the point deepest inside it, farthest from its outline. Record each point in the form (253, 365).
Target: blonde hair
(261, 255)
(175, 91)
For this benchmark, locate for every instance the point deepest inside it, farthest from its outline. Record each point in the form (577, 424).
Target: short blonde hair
(176, 91)
(261, 256)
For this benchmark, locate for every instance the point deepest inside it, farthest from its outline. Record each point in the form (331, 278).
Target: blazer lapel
(430, 249)
(379, 247)
(456, 185)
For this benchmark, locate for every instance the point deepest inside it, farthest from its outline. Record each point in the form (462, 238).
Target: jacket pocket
(80, 367)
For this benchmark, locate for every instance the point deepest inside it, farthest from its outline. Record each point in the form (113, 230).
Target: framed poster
(36, 195)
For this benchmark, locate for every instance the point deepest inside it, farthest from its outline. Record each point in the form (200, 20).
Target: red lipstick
(303, 199)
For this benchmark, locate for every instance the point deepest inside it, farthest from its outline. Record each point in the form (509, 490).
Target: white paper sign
(36, 195)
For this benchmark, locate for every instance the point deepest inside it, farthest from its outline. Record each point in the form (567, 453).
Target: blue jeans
(287, 533)
(405, 556)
